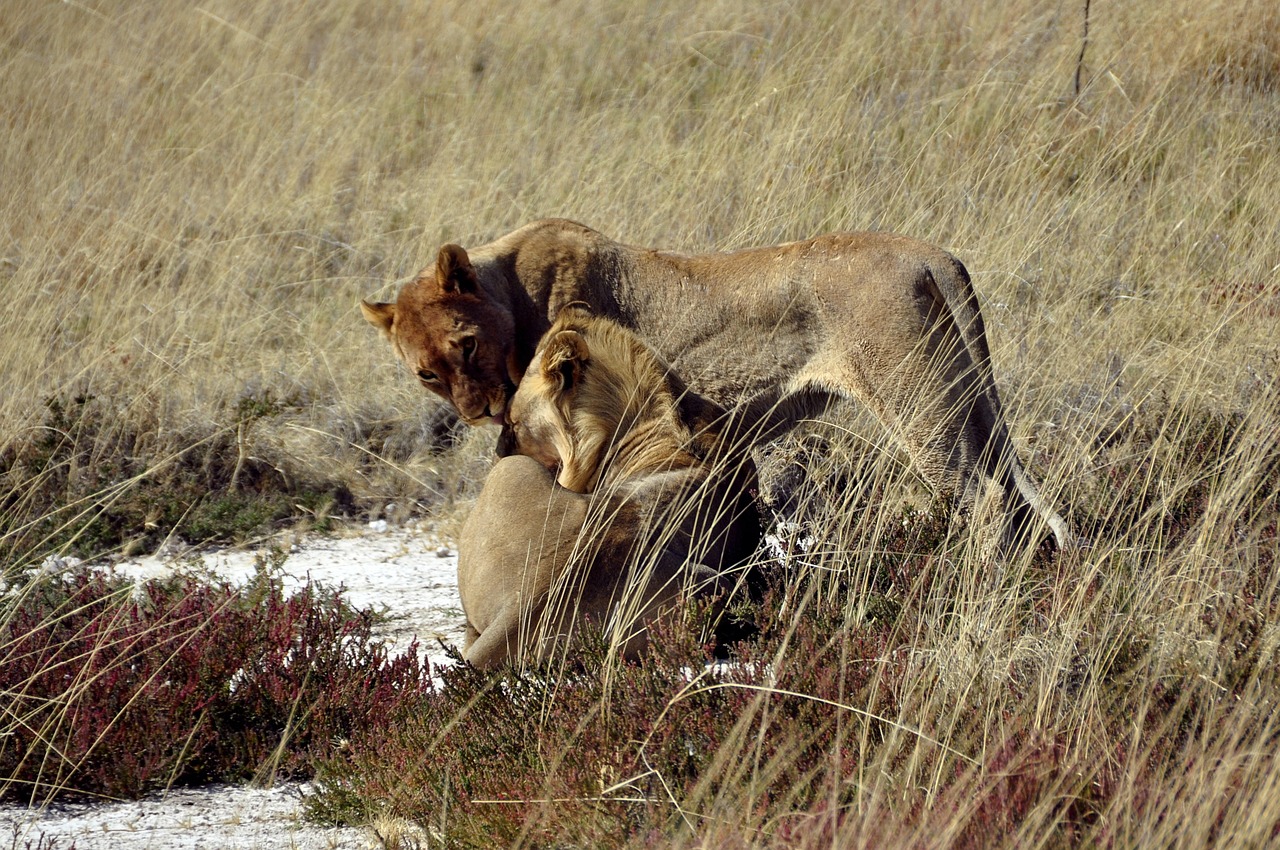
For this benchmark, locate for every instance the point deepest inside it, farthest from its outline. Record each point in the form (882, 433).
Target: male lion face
(539, 422)
(457, 343)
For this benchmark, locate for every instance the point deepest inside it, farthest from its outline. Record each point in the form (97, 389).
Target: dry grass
(196, 196)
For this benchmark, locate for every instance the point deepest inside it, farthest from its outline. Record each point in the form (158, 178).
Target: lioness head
(458, 343)
(591, 385)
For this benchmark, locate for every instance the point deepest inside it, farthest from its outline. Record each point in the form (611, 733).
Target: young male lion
(652, 504)
(886, 320)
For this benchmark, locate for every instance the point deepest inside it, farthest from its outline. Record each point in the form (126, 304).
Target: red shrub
(116, 690)
(597, 754)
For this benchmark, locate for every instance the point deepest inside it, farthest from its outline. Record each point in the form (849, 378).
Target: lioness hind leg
(960, 443)
(929, 392)
(957, 437)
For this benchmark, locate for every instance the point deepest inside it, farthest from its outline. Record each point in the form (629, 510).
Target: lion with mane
(623, 499)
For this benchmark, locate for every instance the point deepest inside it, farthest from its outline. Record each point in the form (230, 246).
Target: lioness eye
(426, 377)
(468, 346)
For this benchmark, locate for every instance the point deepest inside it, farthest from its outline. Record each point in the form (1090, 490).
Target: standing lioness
(887, 320)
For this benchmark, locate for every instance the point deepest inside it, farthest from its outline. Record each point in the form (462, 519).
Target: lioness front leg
(469, 636)
(497, 643)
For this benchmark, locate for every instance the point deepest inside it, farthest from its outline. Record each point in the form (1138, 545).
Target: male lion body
(656, 505)
(886, 320)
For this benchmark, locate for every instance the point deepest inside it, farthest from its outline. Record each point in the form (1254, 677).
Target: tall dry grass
(195, 197)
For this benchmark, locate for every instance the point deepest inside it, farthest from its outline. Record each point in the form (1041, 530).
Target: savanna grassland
(195, 196)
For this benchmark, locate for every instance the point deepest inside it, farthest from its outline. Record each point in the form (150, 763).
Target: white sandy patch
(209, 818)
(403, 571)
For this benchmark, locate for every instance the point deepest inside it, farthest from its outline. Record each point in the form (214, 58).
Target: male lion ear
(453, 270)
(574, 310)
(379, 314)
(565, 356)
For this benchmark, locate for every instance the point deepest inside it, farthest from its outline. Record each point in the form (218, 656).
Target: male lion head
(540, 422)
(590, 386)
(454, 338)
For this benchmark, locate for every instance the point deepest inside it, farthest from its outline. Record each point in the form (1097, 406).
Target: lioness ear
(453, 270)
(564, 358)
(379, 314)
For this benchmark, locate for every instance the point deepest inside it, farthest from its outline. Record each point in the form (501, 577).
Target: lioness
(654, 505)
(887, 320)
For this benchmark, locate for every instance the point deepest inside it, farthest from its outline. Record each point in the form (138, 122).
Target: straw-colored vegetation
(195, 196)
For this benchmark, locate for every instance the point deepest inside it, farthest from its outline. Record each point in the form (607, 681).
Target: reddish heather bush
(601, 754)
(112, 689)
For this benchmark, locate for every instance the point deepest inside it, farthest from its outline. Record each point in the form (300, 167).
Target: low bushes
(115, 689)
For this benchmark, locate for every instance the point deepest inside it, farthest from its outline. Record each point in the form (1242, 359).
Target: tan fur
(886, 320)
(655, 505)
